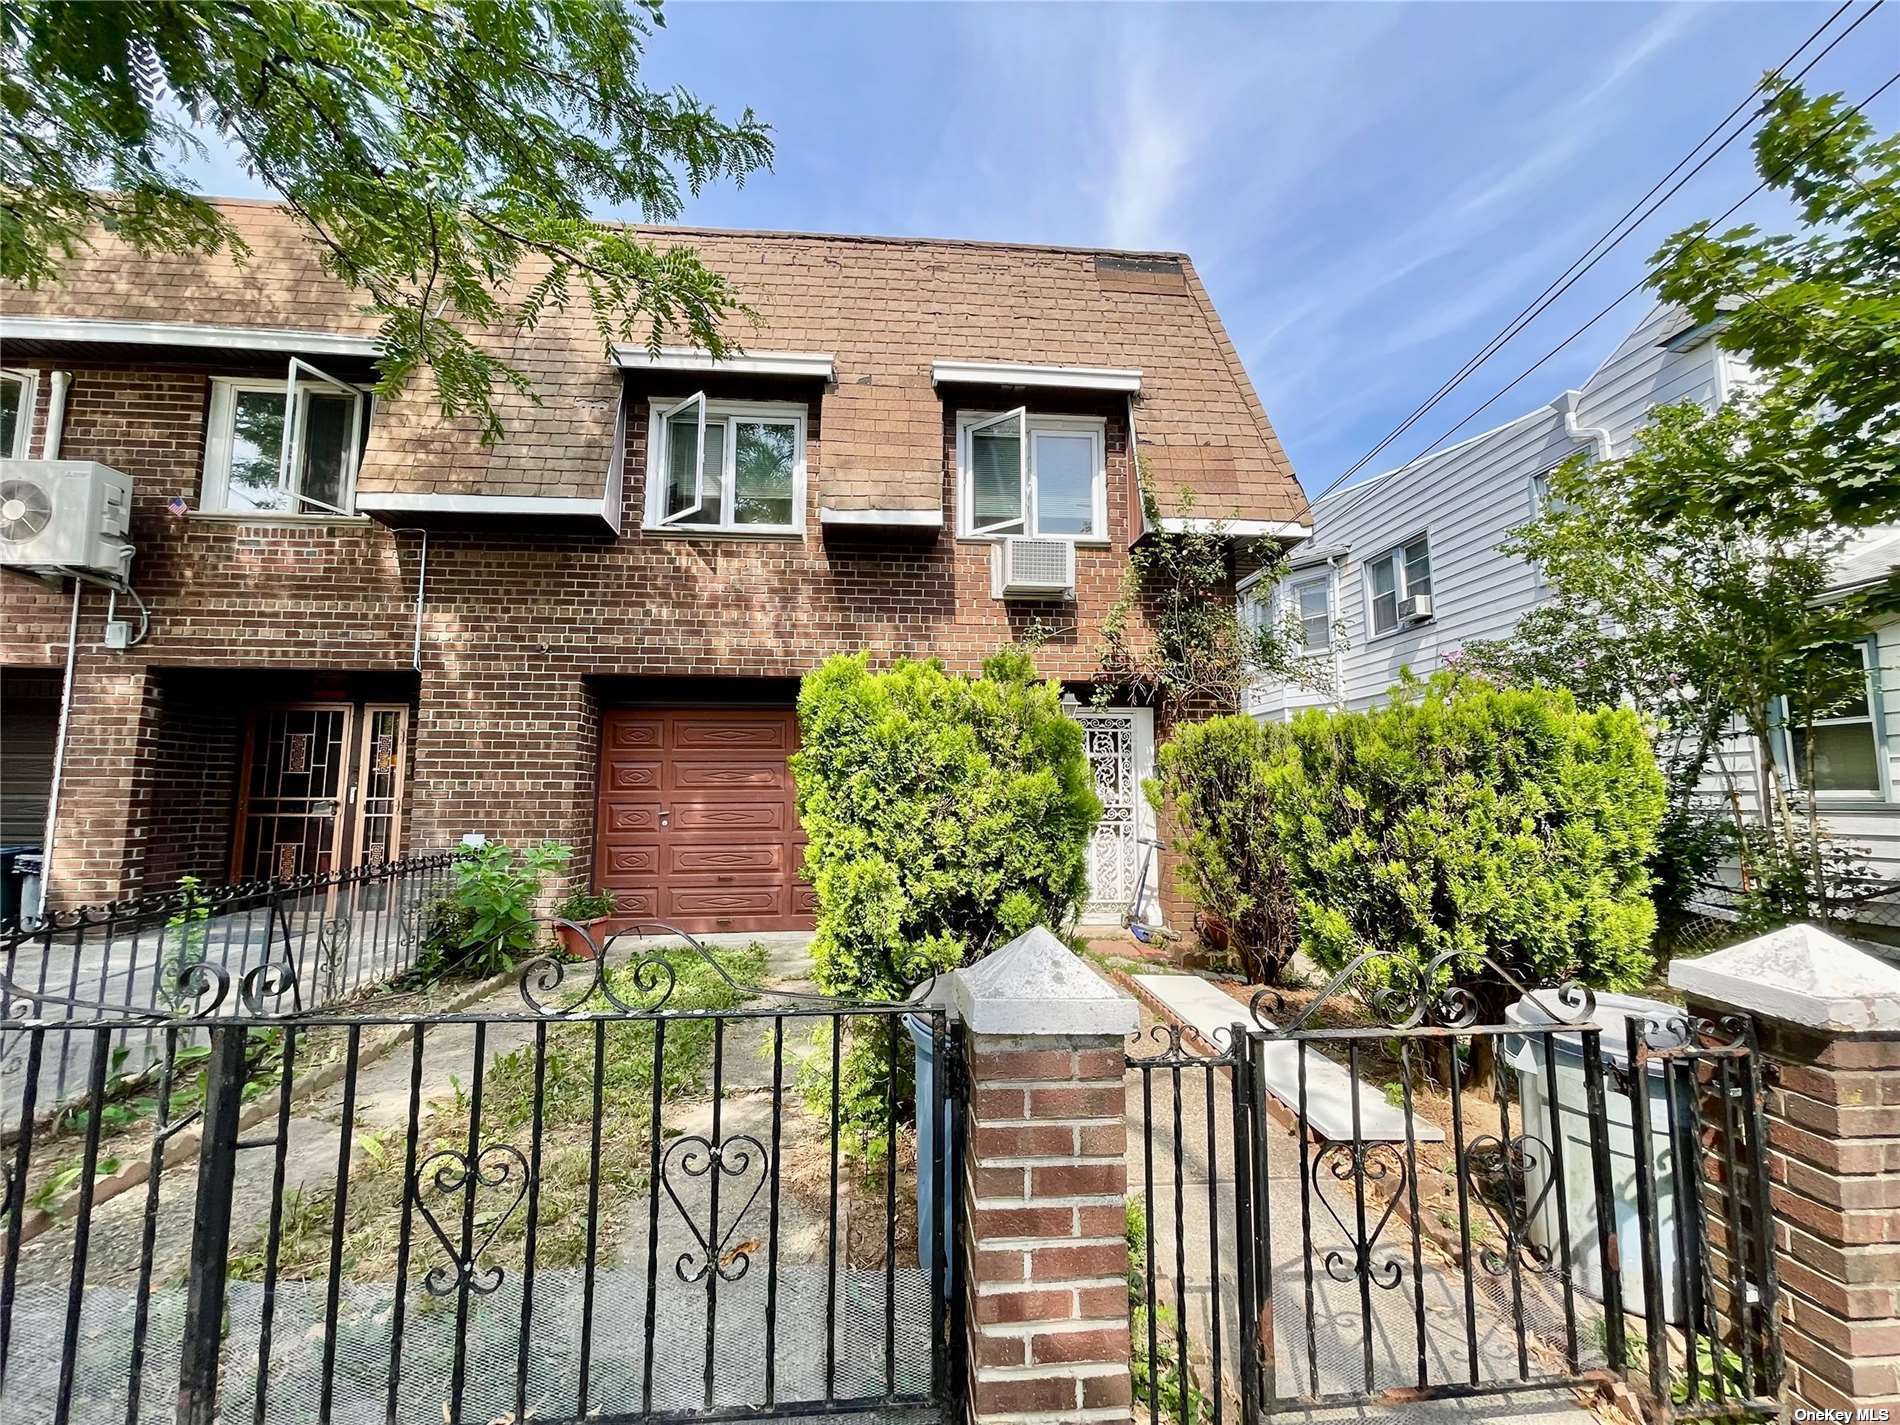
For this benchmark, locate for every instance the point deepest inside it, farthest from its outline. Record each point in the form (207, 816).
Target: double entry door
(320, 788)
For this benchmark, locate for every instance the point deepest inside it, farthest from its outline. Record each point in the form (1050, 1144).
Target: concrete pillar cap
(1037, 985)
(1800, 975)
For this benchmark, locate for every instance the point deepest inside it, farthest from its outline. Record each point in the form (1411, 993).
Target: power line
(1609, 239)
(1630, 291)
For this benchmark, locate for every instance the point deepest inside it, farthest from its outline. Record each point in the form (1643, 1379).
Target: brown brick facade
(525, 634)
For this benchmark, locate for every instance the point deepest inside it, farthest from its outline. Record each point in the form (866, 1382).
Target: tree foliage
(444, 153)
(1460, 819)
(1211, 778)
(1175, 635)
(945, 815)
(1816, 442)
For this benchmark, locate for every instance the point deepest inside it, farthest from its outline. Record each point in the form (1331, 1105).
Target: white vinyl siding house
(1463, 501)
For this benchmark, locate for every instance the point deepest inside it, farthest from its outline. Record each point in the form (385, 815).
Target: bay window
(282, 447)
(1031, 474)
(726, 467)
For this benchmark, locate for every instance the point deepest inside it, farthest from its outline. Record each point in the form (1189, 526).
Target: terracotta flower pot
(576, 945)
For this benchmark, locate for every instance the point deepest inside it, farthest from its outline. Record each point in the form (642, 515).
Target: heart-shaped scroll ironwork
(450, 1172)
(1498, 1173)
(1369, 1163)
(730, 1158)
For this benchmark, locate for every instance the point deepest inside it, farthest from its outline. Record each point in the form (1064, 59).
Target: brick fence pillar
(1043, 1252)
(1828, 1019)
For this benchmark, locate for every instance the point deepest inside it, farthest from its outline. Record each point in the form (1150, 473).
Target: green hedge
(944, 814)
(1460, 817)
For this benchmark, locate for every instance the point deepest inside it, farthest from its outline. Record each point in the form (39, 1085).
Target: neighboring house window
(1028, 474)
(1401, 573)
(726, 467)
(1849, 744)
(16, 413)
(258, 461)
(1310, 601)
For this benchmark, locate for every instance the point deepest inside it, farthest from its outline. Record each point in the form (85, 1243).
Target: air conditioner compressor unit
(60, 515)
(1026, 568)
(1416, 609)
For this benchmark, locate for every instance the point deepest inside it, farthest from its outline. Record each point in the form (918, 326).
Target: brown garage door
(698, 825)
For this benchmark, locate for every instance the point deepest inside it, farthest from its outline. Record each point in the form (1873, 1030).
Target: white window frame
(1095, 427)
(1876, 723)
(29, 383)
(214, 488)
(726, 416)
(1395, 555)
(1289, 594)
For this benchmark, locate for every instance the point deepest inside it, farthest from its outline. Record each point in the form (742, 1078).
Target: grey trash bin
(1525, 1054)
(933, 1205)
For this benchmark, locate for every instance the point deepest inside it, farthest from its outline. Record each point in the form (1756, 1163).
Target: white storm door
(1120, 747)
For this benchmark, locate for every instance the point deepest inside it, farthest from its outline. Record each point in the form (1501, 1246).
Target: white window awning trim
(915, 519)
(188, 334)
(815, 364)
(1239, 529)
(478, 504)
(1124, 379)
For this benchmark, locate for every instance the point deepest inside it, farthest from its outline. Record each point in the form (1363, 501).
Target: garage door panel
(635, 732)
(724, 901)
(631, 819)
(701, 774)
(642, 861)
(732, 734)
(728, 816)
(760, 859)
(630, 776)
(638, 901)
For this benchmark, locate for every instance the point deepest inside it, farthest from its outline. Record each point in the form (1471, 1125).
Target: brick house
(389, 635)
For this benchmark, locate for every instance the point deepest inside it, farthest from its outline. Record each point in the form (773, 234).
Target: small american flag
(176, 504)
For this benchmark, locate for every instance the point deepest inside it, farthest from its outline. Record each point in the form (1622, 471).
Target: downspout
(1595, 435)
(59, 750)
(1140, 522)
(422, 578)
(55, 414)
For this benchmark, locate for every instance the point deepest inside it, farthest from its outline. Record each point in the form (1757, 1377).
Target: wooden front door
(697, 819)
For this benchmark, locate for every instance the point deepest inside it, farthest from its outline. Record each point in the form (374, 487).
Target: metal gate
(1393, 1193)
(645, 1192)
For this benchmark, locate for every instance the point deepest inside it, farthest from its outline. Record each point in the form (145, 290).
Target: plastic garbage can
(1525, 1054)
(29, 867)
(934, 1205)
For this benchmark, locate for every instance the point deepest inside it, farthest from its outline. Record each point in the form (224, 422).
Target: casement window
(1843, 717)
(726, 467)
(1020, 473)
(1401, 574)
(17, 389)
(283, 447)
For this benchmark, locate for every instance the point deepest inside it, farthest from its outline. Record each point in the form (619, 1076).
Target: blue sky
(1369, 191)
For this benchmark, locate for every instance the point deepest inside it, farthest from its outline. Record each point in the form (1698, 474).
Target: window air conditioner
(1032, 568)
(64, 514)
(1416, 609)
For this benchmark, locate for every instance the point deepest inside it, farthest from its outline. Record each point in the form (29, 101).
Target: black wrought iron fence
(320, 939)
(1395, 1196)
(646, 1190)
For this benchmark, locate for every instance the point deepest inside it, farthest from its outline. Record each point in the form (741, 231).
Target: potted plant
(584, 909)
